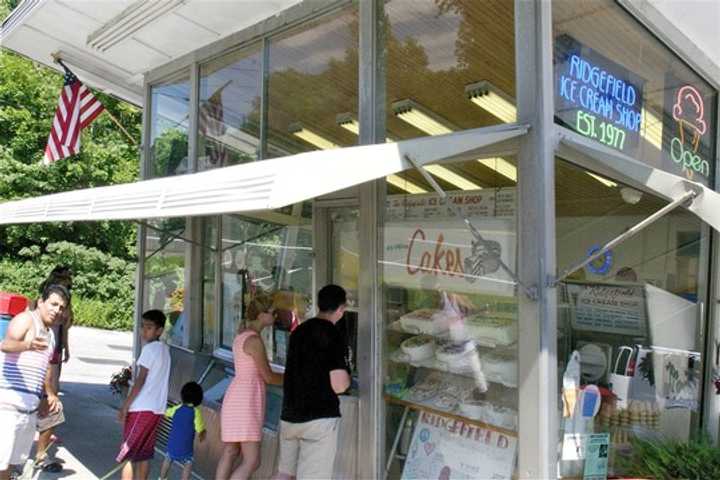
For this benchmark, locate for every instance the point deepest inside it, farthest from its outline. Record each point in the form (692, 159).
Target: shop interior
(447, 265)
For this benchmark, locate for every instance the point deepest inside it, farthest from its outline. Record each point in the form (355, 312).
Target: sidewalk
(91, 434)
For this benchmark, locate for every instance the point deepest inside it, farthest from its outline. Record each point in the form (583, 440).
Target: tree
(28, 97)
(102, 254)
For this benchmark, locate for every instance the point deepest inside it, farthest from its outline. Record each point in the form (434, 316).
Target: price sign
(596, 97)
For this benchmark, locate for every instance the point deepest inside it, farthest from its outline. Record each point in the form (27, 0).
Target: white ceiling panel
(227, 17)
(188, 35)
(101, 10)
(39, 28)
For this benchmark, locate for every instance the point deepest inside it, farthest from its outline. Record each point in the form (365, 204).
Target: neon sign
(689, 113)
(597, 97)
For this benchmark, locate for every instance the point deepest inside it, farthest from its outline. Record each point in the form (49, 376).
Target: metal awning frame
(679, 191)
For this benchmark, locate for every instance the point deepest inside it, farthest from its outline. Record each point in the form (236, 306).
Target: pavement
(91, 434)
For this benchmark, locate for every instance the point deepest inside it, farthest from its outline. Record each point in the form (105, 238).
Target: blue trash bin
(4, 322)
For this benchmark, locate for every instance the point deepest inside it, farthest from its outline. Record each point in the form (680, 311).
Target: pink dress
(243, 409)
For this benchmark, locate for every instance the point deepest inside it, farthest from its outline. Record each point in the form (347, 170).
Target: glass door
(343, 270)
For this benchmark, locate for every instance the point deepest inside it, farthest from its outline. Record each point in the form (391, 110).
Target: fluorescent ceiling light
(651, 128)
(603, 180)
(403, 184)
(420, 118)
(452, 177)
(346, 121)
(490, 98)
(311, 137)
(502, 166)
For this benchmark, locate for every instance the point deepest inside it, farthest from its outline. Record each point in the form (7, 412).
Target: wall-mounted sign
(687, 130)
(612, 309)
(428, 245)
(596, 97)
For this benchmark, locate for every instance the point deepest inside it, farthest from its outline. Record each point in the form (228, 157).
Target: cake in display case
(456, 358)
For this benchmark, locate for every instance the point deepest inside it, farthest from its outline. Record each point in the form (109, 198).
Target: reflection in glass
(271, 253)
(629, 323)
(451, 331)
(345, 268)
(313, 77)
(169, 109)
(164, 275)
(209, 262)
(229, 112)
(448, 67)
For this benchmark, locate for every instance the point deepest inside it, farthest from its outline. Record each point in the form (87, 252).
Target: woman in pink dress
(243, 408)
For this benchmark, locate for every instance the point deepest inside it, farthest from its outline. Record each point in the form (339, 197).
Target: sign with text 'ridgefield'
(596, 97)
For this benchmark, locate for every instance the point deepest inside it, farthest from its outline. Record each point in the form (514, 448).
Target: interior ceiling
(137, 36)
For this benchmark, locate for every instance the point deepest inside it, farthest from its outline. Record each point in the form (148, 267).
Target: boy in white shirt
(145, 404)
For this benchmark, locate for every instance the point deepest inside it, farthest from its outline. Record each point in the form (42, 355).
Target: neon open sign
(687, 131)
(597, 97)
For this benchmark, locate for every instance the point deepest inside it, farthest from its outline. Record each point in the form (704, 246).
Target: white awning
(706, 204)
(263, 185)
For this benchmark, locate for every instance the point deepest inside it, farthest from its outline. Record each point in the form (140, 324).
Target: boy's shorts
(139, 436)
(17, 437)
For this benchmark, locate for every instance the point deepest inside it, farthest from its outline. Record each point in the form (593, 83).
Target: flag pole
(56, 58)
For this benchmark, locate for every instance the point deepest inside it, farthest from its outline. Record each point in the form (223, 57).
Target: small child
(146, 402)
(187, 420)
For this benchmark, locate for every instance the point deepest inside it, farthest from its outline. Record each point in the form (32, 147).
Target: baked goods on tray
(425, 320)
(491, 331)
(455, 352)
(418, 348)
(500, 367)
(476, 406)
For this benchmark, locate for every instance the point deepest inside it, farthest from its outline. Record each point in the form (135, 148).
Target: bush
(697, 459)
(99, 314)
(103, 285)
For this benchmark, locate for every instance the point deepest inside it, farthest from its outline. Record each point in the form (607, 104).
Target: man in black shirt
(315, 373)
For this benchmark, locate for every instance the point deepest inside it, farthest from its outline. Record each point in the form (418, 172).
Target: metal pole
(476, 233)
(631, 232)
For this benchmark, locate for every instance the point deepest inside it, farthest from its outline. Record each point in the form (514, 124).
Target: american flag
(77, 108)
(211, 124)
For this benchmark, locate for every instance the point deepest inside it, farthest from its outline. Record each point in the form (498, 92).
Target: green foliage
(99, 314)
(103, 285)
(103, 253)
(28, 97)
(670, 459)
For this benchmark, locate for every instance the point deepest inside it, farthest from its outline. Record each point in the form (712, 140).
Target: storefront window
(312, 85)
(270, 253)
(164, 275)
(229, 112)
(449, 67)
(450, 310)
(630, 324)
(616, 84)
(209, 262)
(169, 110)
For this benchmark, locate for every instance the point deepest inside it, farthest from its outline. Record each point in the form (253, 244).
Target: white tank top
(22, 375)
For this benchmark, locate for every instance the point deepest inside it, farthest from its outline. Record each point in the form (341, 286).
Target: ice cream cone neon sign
(689, 113)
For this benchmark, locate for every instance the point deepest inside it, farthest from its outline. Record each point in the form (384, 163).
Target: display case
(451, 333)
